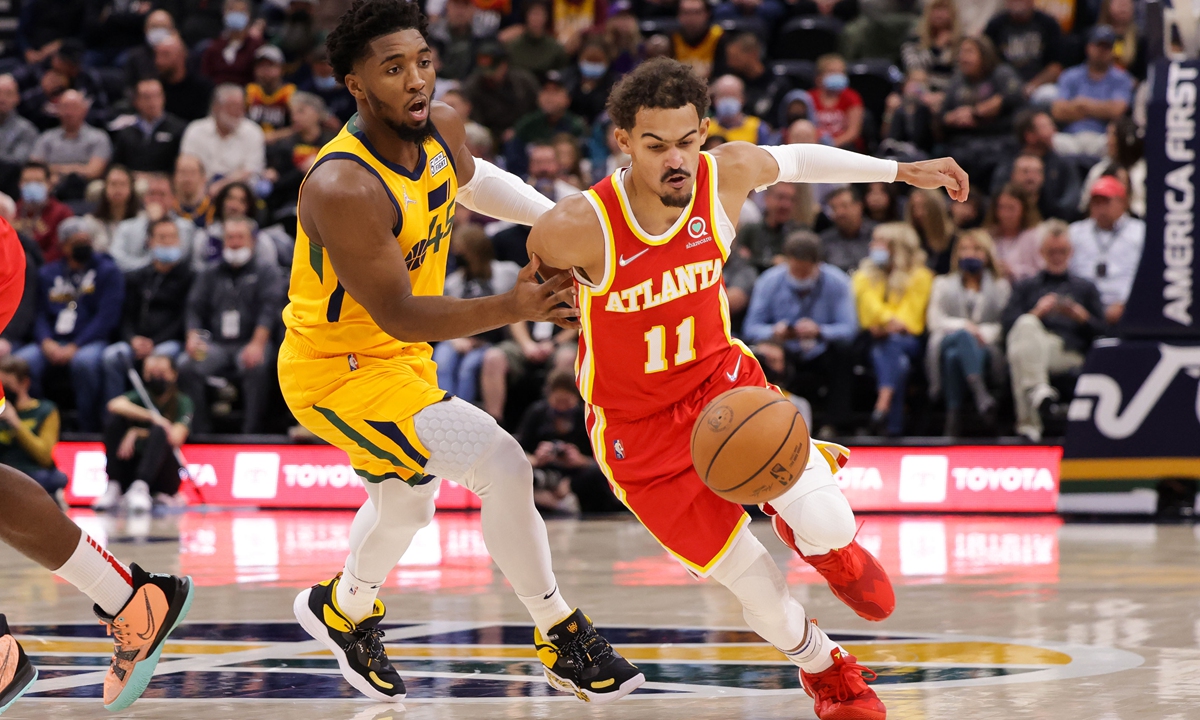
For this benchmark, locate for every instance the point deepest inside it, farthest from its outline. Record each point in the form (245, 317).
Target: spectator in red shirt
(230, 57)
(39, 212)
(839, 118)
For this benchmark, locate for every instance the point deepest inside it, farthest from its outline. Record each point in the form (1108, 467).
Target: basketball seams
(704, 414)
(786, 437)
(733, 432)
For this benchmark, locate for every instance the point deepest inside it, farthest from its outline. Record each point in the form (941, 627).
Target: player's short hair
(365, 21)
(660, 83)
(803, 245)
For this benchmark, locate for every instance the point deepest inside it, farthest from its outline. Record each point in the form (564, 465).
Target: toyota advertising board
(943, 479)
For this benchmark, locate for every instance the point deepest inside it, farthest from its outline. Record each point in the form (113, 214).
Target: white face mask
(238, 257)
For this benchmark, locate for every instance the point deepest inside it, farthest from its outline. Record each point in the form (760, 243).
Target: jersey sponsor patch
(438, 163)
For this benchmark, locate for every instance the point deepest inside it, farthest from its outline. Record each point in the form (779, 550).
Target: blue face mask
(167, 255)
(237, 20)
(727, 108)
(836, 82)
(325, 83)
(880, 256)
(802, 286)
(34, 192)
(592, 70)
(970, 266)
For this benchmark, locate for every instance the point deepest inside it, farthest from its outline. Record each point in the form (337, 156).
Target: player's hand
(934, 174)
(543, 301)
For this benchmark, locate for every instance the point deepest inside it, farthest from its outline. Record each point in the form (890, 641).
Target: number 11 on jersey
(656, 350)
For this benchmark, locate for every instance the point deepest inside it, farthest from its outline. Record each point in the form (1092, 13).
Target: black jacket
(155, 152)
(257, 291)
(155, 304)
(1076, 336)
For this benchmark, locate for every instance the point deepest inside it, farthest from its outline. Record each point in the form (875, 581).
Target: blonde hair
(825, 61)
(925, 32)
(905, 248)
(937, 227)
(983, 239)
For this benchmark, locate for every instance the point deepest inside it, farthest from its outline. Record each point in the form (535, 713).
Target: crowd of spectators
(155, 150)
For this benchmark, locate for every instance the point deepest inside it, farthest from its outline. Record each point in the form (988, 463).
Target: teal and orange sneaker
(17, 674)
(358, 647)
(578, 660)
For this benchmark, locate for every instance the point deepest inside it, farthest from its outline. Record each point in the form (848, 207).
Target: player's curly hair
(365, 21)
(658, 83)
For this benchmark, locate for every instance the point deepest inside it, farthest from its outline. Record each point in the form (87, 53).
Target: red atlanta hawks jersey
(12, 277)
(656, 326)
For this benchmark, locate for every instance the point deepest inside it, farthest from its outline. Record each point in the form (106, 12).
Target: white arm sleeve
(808, 163)
(502, 195)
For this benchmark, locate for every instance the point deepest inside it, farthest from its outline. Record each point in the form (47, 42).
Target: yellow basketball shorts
(363, 405)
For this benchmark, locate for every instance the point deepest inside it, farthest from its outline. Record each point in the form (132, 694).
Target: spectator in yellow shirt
(891, 292)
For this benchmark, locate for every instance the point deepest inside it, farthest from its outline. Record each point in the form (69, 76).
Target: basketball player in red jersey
(646, 247)
(139, 609)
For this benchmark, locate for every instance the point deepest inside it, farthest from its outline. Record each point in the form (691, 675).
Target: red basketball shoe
(855, 577)
(841, 692)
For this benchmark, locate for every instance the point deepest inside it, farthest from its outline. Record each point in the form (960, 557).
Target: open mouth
(418, 109)
(676, 181)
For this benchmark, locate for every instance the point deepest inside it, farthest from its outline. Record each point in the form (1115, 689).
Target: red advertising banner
(937, 479)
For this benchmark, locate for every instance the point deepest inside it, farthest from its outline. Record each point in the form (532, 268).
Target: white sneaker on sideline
(110, 499)
(138, 500)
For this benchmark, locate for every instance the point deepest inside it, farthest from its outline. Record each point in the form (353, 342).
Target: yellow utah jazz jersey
(320, 316)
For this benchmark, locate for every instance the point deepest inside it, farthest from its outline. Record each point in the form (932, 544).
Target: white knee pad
(825, 519)
(457, 434)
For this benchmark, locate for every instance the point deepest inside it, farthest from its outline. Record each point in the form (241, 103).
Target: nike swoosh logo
(150, 615)
(736, 369)
(550, 594)
(623, 261)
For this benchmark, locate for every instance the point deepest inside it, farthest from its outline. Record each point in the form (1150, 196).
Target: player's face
(395, 81)
(665, 147)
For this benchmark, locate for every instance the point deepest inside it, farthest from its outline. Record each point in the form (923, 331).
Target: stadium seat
(874, 80)
(803, 73)
(808, 38)
(659, 26)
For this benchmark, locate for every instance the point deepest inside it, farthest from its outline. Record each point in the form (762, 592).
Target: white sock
(355, 597)
(814, 654)
(98, 575)
(547, 609)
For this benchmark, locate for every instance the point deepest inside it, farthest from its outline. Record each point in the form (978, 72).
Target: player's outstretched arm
(748, 166)
(342, 210)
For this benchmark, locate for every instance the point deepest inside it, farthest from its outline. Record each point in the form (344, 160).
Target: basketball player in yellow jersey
(375, 214)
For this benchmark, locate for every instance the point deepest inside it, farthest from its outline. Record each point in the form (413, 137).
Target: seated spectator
(591, 80)
(112, 28)
(908, 119)
(28, 429)
(457, 39)
(119, 202)
(150, 140)
(139, 61)
(152, 322)
(964, 330)
(1050, 324)
(76, 152)
(797, 105)
(802, 321)
(1060, 179)
(535, 49)
(532, 346)
(1030, 41)
(46, 23)
(764, 90)
(38, 212)
(880, 31)
(546, 175)
(762, 243)
(1107, 246)
(891, 293)
(297, 34)
(79, 308)
(230, 57)
(979, 105)
(932, 47)
(1126, 154)
(233, 310)
(140, 443)
(233, 146)
(191, 195)
(1029, 175)
(1090, 96)
(1130, 49)
(290, 157)
(699, 41)
(479, 274)
(202, 21)
(847, 243)
(17, 135)
(575, 168)
(19, 330)
(130, 243)
(623, 36)
(268, 97)
(768, 12)
(1013, 222)
(839, 109)
(317, 78)
(880, 203)
(927, 214)
(188, 95)
(551, 118)
(235, 201)
(739, 275)
(969, 214)
(66, 71)
(499, 94)
(729, 99)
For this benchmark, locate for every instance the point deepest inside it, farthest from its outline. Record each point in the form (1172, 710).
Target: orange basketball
(750, 445)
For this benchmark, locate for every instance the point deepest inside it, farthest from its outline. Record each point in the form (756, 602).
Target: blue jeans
(87, 379)
(51, 479)
(458, 374)
(118, 360)
(892, 357)
(962, 355)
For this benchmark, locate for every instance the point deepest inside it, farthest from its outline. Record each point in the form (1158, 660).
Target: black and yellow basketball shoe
(358, 647)
(578, 660)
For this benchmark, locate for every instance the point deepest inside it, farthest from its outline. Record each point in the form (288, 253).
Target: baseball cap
(1108, 187)
(492, 50)
(1102, 35)
(269, 52)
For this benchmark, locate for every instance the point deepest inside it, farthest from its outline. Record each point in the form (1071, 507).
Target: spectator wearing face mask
(233, 309)
(79, 308)
(140, 444)
(839, 109)
(591, 79)
(28, 428)
(551, 118)
(317, 78)
(131, 240)
(38, 212)
(152, 322)
(139, 61)
(729, 99)
(230, 57)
